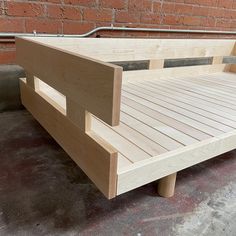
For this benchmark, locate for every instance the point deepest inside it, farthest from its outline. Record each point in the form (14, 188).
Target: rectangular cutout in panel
(188, 62)
(55, 98)
(132, 65)
(229, 60)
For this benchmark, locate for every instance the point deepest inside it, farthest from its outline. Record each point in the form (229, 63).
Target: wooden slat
(183, 111)
(126, 148)
(95, 157)
(178, 125)
(163, 165)
(219, 110)
(172, 100)
(94, 85)
(159, 126)
(204, 97)
(194, 123)
(150, 132)
(222, 85)
(201, 91)
(123, 162)
(209, 86)
(216, 85)
(129, 76)
(145, 143)
(228, 78)
(199, 85)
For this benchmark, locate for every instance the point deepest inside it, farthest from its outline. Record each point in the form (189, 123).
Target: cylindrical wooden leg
(166, 185)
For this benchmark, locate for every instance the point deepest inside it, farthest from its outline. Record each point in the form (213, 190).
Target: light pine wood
(156, 64)
(95, 157)
(185, 112)
(140, 75)
(217, 60)
(166, 186)
(32, 81)
(160, 120)
(174, 101)
(94, 85)
(155, 168)
(232, 68)
(119, 49)
(78, 115)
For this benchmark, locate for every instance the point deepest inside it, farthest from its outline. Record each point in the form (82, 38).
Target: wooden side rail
(95, 157)
(93, 85)
(132, 49)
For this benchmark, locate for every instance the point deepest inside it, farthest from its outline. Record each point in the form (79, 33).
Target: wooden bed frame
(125, 129)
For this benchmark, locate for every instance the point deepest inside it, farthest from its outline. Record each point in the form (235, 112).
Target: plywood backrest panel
(143, 49)
(92, 84)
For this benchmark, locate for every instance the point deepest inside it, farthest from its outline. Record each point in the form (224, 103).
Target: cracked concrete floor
(42, 192)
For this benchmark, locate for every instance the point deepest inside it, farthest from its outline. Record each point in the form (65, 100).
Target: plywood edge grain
(93, 155)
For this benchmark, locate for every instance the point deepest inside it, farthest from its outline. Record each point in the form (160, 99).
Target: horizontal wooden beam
(188, 71)
(166, 164)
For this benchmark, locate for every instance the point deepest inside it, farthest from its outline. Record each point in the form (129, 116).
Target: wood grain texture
(166, 185)
(78, 115)
(120, 49)
(95, 157)
(170, 118)
(168, 163)
(94, 85)
(129, 76)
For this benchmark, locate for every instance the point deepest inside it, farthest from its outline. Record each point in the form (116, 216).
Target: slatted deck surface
(163, 115)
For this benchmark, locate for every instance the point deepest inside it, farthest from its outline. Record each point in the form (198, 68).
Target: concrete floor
(42, 192)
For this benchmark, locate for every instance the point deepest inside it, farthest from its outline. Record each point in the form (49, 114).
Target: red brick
(216, 12)
(97, 15)
(200, 11)
(55, 11)
(65, 12)
(191, 20)
(225, 3)
(11, 25)
(222, 23)
(168, 7)
(172, 20)
(52, 1)
(74, 27)
(140, 5)
(156, 6)
(116, 4)
(7, 57)
(231, 14)
(211, 3)
(150, 18)
(127, 17)
(43, 26)
(86, 3)
(208, 22)
(182, 9)
(24, 9)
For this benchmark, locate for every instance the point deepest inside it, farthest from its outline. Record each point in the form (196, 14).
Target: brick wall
(79, 16)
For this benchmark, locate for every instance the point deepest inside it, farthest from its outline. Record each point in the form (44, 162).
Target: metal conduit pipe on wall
(112, 28)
